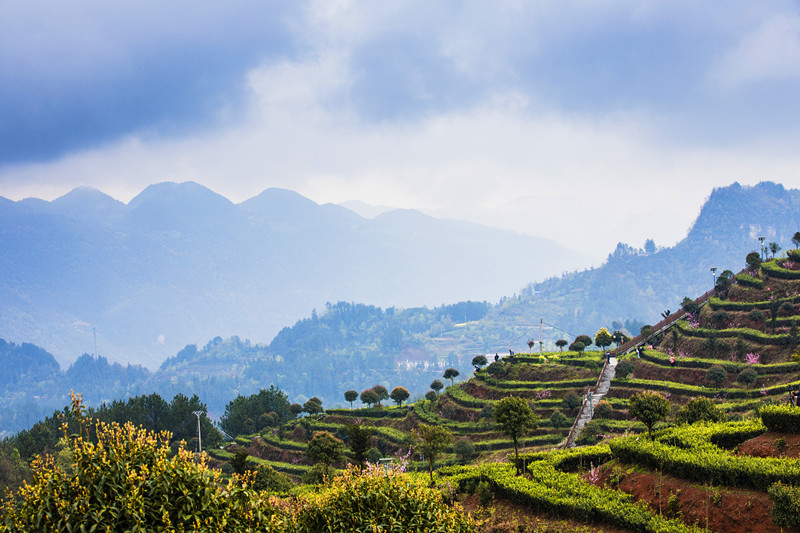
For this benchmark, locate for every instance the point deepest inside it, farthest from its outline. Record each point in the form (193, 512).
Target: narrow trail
(587, 409)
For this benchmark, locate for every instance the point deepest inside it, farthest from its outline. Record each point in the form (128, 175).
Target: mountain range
(180, 264)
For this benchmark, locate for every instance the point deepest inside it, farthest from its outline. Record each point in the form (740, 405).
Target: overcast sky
(587, 122)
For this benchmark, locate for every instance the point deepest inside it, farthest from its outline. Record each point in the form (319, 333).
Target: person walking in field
(671, 360)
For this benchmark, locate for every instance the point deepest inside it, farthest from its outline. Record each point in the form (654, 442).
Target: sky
(586, 122)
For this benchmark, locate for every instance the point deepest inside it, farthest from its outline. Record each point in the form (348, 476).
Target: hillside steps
(587, 409)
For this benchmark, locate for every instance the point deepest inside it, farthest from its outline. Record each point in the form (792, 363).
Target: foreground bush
(122, 479)
(379, 500)
(781, 418)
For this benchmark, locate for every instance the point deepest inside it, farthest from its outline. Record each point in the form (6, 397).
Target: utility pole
(541, 346)
(199, 441)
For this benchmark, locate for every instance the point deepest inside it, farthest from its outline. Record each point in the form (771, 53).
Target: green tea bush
(781, 418)
(785, 504)
(624, 369)
(379, 500)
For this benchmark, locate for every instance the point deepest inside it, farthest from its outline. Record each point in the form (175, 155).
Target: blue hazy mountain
(179, 264)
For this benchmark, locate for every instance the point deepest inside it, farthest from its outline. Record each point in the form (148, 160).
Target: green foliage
(624, 369)
(431, 441)
(326, 449)
(716, 375)
(590, 434)
(480, 361)
(571, 401)
(313, 406)
(399, 395)
(124, 479)
(268, 480)
(649, 408)
(370, 397)
(577, 347)
(558, 420)
(485, 494)
(496, 369)
(465, 449)
(602, 338)
(515, 418)
(785, 504)
(359, 441)
(780, 418)
(350, 396)
(451, 374)
(239, 461)
(699, 410)
(603, 410)
(747, 376)
(377, 500)
(753, 260)
(690, 306)
(747, 280)
(567, 495)
(265, 401)
(561, 343)
(437, 385)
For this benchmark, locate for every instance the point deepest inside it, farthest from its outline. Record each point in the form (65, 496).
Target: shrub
(571, 401)
(267, 479)
(717, 375)
(364, 501)
(747, 376)
(699, 410)
(756, 315)
(624, 369)
(558, 420)
(135, 486)
(603, 410)
(785, 504)
(485, 494)
(590, 434)
(496, 369)
(780, 418)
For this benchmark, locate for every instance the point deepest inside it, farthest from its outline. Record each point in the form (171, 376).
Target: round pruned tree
(350, 396)
(399, 395)
(649, 408)
(382, 393)
(531, 342)
(480, 361)
(437, 386)
(451, 374)
(753, 261)
(603, 338)
(586, 340)
(774, 247)
(370, 397)
(796, 239)
(577, 347)
(359, 443)
(313, 406)
(699, 410)
(561, 343)
(515, 418)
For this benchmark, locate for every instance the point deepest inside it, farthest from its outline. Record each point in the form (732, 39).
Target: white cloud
(770, 51)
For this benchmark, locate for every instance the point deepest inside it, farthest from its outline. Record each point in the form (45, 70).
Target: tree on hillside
(586, 340)
(382, 393)
(369, 397)
(619, 338)
(753, 261)
(577, 347)
(480, 361)
(531, 342)
(431, 441)
(350, 396)
(699, 410)
(313, 406)
(437, 386)
(602, 338)
(326, 449)
(649, 408)
(515, 418)
(561, 343)
(359, 436)
(451, 374)
(796, 239)
(690, 306)
(724, 282)
(241, 408)
(774, 247)
(399, 395)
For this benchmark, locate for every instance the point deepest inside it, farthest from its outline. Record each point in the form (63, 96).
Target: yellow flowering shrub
(122, 478)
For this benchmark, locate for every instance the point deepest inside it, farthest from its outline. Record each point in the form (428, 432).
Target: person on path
(639, 351)
(671, 360)
(608, 357)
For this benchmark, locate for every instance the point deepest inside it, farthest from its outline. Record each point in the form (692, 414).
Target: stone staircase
(587, 409)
